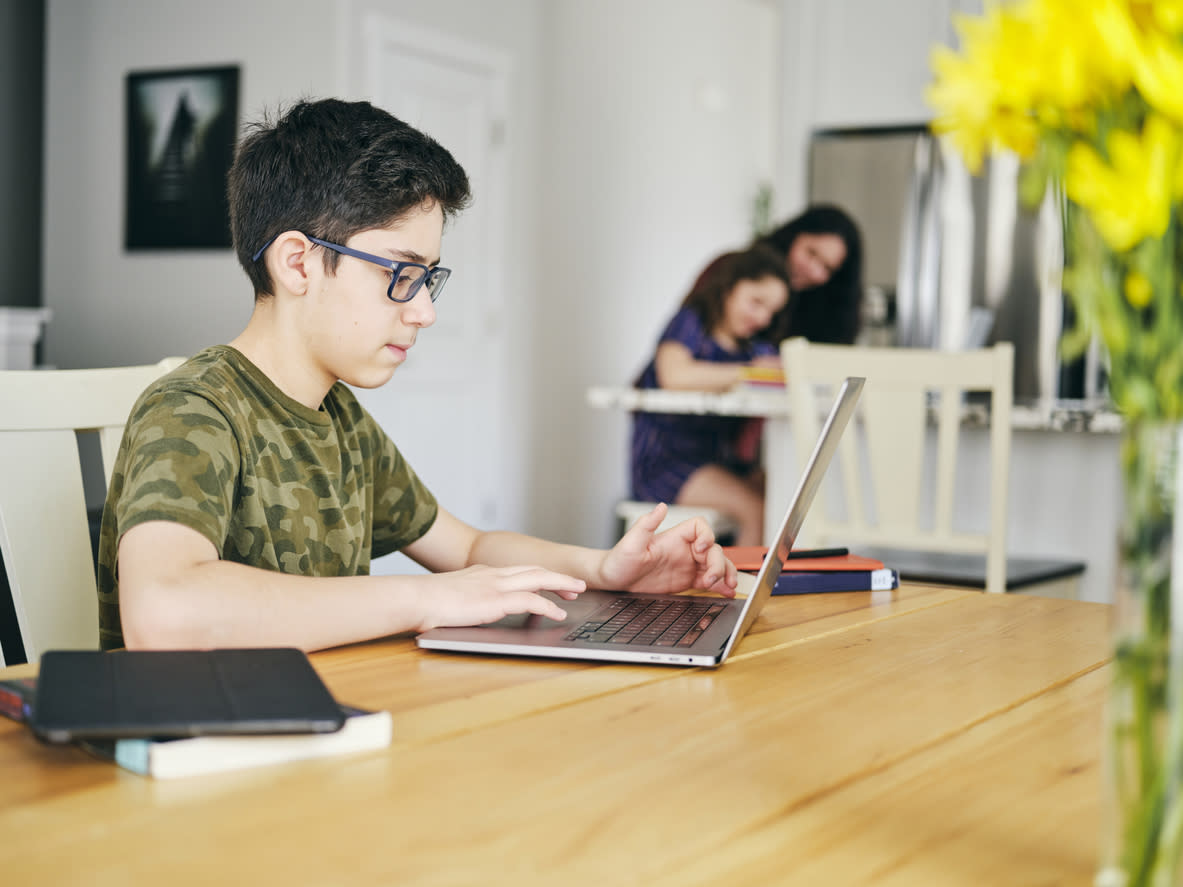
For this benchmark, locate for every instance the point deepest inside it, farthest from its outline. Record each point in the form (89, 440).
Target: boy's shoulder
(217, 368)
(220, 371)
(208, 366)
(211, 375)
(220, 379)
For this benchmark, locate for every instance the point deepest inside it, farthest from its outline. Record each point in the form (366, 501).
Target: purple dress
(668, 447)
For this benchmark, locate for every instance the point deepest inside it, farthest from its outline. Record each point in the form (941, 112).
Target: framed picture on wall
(181, 129)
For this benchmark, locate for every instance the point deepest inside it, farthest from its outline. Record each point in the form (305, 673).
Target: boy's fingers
(531, 602)
(653, 519)
(532, 579)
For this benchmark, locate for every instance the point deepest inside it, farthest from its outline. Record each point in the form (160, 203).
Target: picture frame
(181, 126)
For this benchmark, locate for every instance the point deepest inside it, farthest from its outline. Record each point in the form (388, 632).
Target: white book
(194, 756)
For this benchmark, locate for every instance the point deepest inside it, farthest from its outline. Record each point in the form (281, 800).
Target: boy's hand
(682, 557)
(478, 595)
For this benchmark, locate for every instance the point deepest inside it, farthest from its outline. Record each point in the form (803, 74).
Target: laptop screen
(807, 487)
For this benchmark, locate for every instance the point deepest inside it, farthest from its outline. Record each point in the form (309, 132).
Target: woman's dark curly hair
(829, 312)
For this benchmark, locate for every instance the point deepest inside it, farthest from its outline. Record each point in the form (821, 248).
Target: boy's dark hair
(711, 289)
(330, 169)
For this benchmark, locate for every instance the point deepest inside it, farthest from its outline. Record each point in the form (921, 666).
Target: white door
(441, 407)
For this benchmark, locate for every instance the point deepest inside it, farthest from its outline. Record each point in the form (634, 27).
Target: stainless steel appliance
(952, 260)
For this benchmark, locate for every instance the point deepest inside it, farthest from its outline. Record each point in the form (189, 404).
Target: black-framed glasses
(406, 278)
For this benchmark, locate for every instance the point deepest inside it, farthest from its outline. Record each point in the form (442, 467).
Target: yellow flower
(1138, 289)
(1042, 63)
(1083, 51)
(982, 95)
(1168, 14)
(1158, 73)
(964, 104)
(1128, 196)
(1089, 94)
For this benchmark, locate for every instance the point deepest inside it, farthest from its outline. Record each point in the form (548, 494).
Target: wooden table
(927, 736)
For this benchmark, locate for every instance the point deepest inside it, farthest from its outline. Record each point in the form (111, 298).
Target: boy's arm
(685, 556)
(174, 592)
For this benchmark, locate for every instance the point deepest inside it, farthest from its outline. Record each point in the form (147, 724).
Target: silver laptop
(620, 626)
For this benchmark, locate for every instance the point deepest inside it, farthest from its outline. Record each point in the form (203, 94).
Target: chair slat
(44, 528)
(45, 541)
(899, 474)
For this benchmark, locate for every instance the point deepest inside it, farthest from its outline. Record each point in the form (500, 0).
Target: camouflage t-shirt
(216, 446)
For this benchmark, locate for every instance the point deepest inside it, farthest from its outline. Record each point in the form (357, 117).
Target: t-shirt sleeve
(685, 328)
(404, 508)
(182, 466)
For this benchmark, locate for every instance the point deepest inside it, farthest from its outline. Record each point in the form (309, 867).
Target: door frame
(378, 36)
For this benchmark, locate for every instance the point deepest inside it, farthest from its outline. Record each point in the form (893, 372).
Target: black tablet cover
(88, 694)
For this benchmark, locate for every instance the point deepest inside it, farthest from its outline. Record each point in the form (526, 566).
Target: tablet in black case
(87, 694)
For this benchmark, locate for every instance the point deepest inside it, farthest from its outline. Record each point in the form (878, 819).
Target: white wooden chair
(44, 529)
(887, 467)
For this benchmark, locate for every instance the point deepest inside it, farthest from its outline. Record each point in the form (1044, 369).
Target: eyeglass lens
(406, 283)
(411, 277)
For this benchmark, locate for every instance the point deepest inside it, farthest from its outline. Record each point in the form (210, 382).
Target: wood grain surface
(921, 736)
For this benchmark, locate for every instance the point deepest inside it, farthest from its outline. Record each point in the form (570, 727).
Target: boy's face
(357, 334)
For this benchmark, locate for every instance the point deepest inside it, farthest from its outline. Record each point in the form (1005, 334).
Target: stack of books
(183, 744)
(824, 570)
(762, 377)
(199, 755)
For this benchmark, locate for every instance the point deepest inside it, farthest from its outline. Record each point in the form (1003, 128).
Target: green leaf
(1033, 182)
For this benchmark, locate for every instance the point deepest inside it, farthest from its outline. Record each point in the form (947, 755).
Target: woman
(824, 259)
(721, 328)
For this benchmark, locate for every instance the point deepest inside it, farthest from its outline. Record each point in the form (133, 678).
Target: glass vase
(1143, 821)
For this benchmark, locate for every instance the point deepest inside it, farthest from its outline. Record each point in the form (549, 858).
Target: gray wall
(22, 29)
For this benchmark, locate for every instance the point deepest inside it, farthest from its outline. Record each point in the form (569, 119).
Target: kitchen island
(1064, 485)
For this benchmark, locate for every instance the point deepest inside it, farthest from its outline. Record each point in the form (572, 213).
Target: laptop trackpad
(510, 628)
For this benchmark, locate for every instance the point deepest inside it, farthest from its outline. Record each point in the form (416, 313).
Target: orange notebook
(749, 557)
(762, 376)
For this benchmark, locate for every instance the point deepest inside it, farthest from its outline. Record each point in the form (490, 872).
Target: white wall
(112, 307)
(662, 118)
(643, 130)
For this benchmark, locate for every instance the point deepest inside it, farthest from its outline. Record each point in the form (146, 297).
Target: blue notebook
(837, 580)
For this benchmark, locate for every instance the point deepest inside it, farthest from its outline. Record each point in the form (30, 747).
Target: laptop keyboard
(677, 622)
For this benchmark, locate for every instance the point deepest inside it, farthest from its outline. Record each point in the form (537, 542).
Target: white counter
(1095, 417)
(1065, 481)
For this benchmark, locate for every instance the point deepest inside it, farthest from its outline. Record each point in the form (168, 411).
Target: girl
(823, 257)
(730, 320)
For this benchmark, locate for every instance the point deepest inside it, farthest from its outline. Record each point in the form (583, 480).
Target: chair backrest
(44, 529)
(887, 468)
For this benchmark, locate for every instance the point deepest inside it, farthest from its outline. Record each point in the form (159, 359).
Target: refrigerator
(951, 260)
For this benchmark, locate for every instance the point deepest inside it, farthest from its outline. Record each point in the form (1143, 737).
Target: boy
(251, 488)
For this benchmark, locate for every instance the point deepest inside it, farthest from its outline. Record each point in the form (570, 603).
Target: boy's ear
(291, 262)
